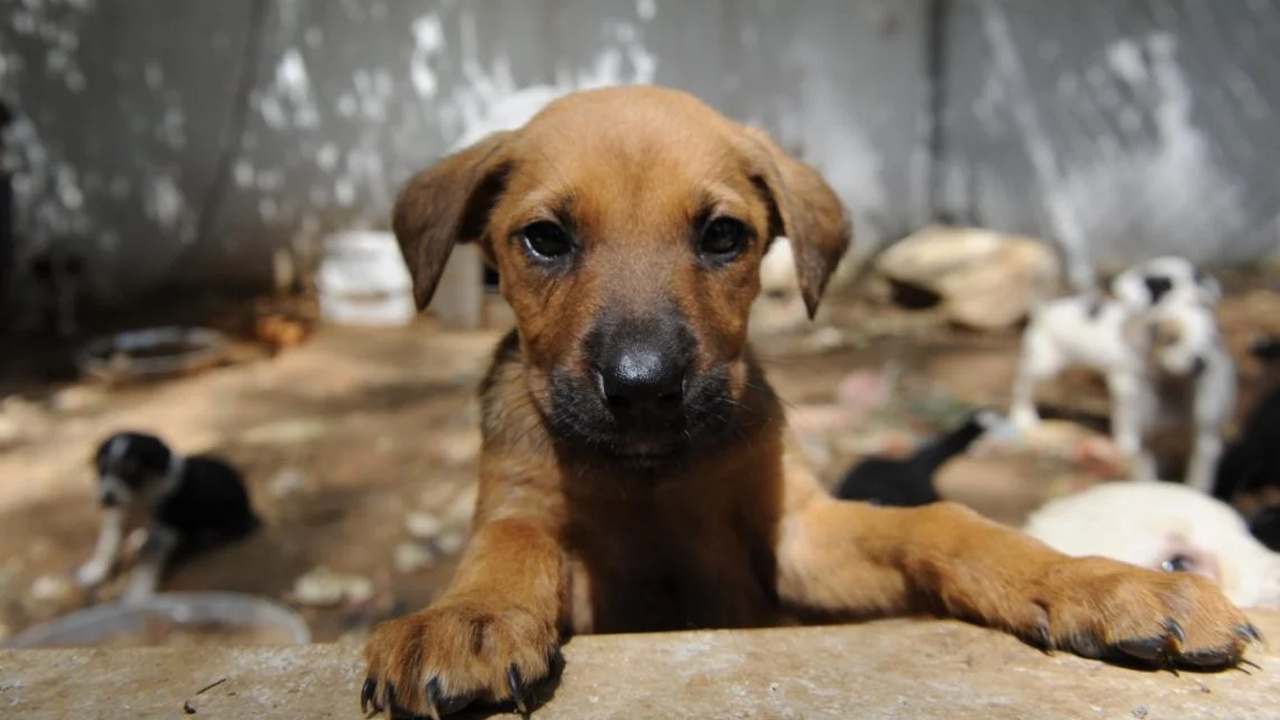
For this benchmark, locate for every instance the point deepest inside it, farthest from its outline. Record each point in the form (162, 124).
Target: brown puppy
(635, 474)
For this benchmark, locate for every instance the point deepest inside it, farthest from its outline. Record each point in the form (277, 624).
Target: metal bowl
(152, 353)
(217, 618)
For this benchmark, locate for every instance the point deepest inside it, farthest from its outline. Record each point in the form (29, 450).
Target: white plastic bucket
(363, 281)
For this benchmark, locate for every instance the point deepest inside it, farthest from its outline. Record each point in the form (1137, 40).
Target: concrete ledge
(900, 668)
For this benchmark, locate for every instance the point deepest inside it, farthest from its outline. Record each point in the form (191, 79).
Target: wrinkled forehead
(633, 169)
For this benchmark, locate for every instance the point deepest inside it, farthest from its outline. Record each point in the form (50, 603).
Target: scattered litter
(423, 526)
(824, 339)
(413, 556)
(1140, 712)
(323, 587)
(188, 706)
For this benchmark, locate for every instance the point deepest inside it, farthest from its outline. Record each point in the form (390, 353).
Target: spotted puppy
(1157, 343)
(186, 504)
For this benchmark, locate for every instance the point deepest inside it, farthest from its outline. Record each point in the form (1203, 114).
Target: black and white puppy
(909, 481)
(1157, 331)
(186, 504)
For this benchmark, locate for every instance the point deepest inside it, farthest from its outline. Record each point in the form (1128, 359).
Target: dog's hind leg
(1203, 466)
(1038, 362)
(1128, 417)
(847, 559)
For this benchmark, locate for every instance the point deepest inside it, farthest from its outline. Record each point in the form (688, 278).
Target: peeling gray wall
(183, 142)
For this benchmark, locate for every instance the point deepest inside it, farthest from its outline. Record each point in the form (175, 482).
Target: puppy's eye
(1179, 563)
(723, 239)
(546, 241)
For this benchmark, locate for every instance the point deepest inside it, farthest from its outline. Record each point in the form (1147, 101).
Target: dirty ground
(360, 446)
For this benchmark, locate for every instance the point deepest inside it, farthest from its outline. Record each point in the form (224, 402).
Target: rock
(986, 280)
(463, 505)
(285, 432)
(411, 557)
(423, 526)
(286, 483)
(461, 448)
(824, 339)
(323, 587)
(51, 588)
(78, 398)
(451, 543)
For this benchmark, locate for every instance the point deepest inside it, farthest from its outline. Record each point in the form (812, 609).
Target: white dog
(1158, 346)
(1163, 526)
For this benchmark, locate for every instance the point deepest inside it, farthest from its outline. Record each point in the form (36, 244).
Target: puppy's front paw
(442, 659)
(1101, 608)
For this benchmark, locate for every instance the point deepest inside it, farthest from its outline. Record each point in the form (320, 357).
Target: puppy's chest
(637, 570)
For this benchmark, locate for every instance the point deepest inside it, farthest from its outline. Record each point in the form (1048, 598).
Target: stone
(451, 543)
(286, 483)
(410, 557)
(921, 669)
(323, 587)
(51, 588)
(423, 526)
(984, 280)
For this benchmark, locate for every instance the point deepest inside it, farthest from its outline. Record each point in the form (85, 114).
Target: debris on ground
(413, 556)
(451, 542)
(422, 525)
(287, 483)
(323, 587)
(51, 588)
(980, 278)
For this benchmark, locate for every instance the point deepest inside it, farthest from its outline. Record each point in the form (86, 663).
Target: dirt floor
(360, 445)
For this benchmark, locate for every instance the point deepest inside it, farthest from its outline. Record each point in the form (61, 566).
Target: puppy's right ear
(448, 203)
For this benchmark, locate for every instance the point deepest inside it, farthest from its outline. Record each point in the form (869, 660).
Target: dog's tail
(938, 451)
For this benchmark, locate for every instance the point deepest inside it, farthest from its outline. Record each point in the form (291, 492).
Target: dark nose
(1198, 365)
(643, 383)
(1157, 286)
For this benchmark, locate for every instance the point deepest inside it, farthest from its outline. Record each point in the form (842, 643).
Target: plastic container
(363, 281)
(152, 353)
(159, 620)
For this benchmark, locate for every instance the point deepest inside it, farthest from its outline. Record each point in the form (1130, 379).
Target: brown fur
(737, 533)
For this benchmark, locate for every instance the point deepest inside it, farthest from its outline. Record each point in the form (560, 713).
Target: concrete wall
(182, 142)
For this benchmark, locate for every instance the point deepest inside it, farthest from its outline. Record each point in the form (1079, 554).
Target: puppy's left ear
(445, 204)
(803, 209)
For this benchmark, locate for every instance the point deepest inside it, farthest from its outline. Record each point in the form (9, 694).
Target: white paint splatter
(327, 157)
(165, 203)
(490, 100)
(1125, 59)
(153, 73)
(428, 41)
(1169, 197)
(290, 89)
(243, 173)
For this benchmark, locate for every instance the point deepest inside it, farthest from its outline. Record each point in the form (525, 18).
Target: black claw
(1209, 659)
(1043, 638)
(1152, 649)
(433, 698)
(1172, 627)
(514, 681)
(366, 696)
(1249, 633)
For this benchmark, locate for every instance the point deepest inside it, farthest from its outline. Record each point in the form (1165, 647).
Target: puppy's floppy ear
(448, 203)
(802, 208)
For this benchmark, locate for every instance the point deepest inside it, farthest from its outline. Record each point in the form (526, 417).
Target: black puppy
(187, 504)
(908, 482)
